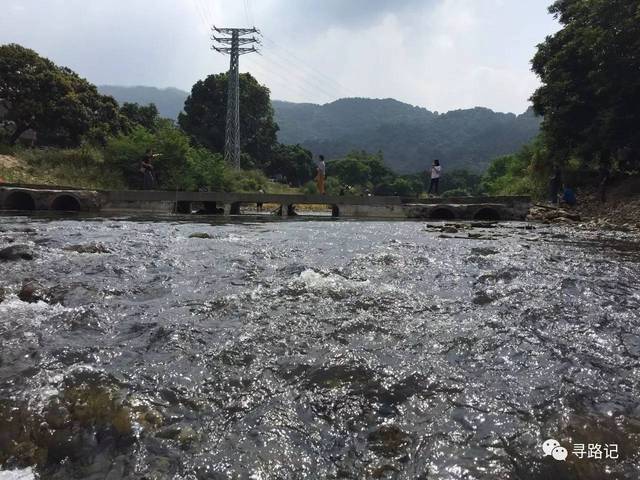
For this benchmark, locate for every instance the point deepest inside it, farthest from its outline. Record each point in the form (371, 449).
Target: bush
(204, 170)
(245, 180)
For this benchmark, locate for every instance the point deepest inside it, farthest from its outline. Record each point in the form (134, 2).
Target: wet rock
(483, 298)
(200, 235)
(449, 229)
(32, 292)
(552, 214)
(388, 440)
(88, 248)
(16, 252)
(484, 224)
(3, 294)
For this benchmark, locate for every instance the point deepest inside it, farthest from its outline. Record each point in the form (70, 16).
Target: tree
(293, 162)
(146, 116)
(590, 72)
(205, 112)
(54, 101)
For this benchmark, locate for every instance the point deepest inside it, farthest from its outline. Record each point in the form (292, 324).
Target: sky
(439, 54)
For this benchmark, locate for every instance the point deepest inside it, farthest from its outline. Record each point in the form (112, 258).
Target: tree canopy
(590, 72)
(54, 101)
(204, 116)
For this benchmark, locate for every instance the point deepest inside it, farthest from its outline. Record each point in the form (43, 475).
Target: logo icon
(553, 448)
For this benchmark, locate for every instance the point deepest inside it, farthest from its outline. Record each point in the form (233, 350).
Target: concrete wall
(41, 199)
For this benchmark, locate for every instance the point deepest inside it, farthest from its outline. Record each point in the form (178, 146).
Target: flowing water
(316, 349)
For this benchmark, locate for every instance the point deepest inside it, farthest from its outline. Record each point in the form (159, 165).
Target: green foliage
(141, 115)
(462, 181)
(62, 107)
(293, 162)
(364, 173)
(204, 170)
(591, 84)
(310, 188)
(397, 186)
(245, 181)
(360, 168)
(524, 173)
(204, 117)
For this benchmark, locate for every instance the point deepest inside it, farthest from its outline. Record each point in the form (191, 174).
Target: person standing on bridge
(322, 173)
(436, 171)
(148, 177)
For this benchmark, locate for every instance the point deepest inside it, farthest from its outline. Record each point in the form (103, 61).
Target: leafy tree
(125, 153)
(523, 173)
(461, 180)
(62, 107)
(146, 116)
(590, 72)
(360, 168)
(293, 162)
(205, 111)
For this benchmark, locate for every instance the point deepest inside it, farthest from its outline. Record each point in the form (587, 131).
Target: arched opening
(183, 208)
(65, 203)
(487, 214)
(19, 201)
(442, 214)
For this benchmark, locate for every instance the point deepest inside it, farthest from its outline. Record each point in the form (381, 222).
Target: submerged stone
(16, 252)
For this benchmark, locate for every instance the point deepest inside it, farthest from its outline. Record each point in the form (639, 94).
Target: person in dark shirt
(146, 168)
(555, 185)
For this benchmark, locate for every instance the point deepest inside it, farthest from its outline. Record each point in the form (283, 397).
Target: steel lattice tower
(234, 39)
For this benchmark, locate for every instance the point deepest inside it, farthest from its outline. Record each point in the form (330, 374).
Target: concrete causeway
(46, 198)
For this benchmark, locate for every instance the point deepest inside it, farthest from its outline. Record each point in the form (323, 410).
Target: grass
(79, 167)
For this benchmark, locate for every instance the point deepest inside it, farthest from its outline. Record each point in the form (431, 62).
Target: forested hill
(409, 137)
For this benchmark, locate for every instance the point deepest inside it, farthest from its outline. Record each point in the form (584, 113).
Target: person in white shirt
(322, 174)
(436, 171)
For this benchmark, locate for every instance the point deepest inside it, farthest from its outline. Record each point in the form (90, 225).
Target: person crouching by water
(322, 173)
(146, 168)
(436, 171)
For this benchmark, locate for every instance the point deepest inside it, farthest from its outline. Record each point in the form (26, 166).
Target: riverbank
(619, 211)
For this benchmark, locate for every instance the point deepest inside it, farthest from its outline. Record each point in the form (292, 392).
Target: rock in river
(16, 252)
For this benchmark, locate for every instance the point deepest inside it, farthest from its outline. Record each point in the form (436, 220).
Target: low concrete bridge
(38, 198)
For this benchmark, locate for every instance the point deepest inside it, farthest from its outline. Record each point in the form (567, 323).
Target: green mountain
(409, 137)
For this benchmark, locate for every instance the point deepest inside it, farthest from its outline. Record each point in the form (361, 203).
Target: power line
(293, 71)
(288, 83)
(308, 66)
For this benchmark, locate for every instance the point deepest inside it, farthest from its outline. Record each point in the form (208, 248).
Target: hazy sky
(440, 54)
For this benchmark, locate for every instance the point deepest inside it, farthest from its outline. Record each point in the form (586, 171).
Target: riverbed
(324, 349)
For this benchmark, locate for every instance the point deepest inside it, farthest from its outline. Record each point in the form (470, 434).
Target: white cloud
(441, 54)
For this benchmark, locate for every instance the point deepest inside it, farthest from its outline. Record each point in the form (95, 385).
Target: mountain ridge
(409, 136)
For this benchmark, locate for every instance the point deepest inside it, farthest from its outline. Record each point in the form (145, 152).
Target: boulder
(32, 292)
(88, 248)
(16, 252)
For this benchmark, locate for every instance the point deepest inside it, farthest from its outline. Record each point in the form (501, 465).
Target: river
(317, 349)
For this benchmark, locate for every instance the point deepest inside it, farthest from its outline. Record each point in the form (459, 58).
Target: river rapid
(316, 349)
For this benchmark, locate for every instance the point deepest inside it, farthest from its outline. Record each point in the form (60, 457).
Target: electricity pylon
(234, 39)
